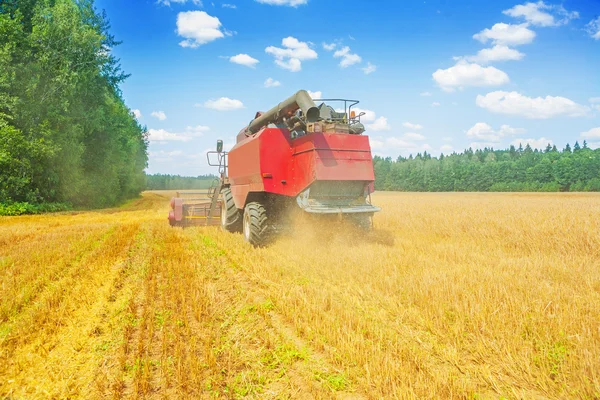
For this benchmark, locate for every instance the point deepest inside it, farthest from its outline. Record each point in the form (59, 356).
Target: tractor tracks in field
(307, 371)
(60, 341)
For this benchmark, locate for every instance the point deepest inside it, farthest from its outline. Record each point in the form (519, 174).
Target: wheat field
(467, 296)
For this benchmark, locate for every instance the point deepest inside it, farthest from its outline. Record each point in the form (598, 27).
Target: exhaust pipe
(287, 108)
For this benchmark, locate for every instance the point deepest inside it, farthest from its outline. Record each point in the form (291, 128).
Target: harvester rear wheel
(256, 228)
(231, 219)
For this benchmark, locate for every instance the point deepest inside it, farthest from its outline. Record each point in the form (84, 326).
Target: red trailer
(297, 154)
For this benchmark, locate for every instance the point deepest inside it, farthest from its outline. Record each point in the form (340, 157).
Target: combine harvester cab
(296, 155)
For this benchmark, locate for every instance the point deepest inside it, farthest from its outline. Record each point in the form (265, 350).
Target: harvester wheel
(256, 228)
(231, 219)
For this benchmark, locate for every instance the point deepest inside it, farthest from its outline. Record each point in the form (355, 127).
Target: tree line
(488, 170)
(177, 182)
(66, 135)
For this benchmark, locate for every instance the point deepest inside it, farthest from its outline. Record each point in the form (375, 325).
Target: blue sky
(436, 76)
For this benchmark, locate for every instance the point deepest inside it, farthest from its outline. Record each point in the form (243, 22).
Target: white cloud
(198, 28)
(506, 34)
(380, 124)
(534, 143)
(539, 14)
(292, 54)
(593, 28)
(245, 60)
(329, 46)
(435, 104)
(347, 57)
(270, 82)
(292, 3)
(514, 103)
(425, 94)
(369, 115)
(168, 2)
(413, 136)
(465, 74)
(496, 53)
(137, 113)
(370, 68)
(483, 131)
(594, 100)
(481, 145)
(163, 136)
(446, 147)
(447, 139)
(159, 114)
(226, 5)
(412, 126)
(223, 104)
(592, 133)
(315, 95)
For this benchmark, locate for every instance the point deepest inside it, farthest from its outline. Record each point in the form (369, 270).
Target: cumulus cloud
(223, 104)
(506, 34)
(496, 53)
(245, 60)
(226, 5)
(380, 124)
(446, 147)
(369, 116)
(292, 54)
(593, 28)
(198, 28)
(163, 136)
(542, 14)
(592, 133)
(435, 104)
(315, 95)
(534, 143)
(413, 136)
(514, 103)
(347, 57)
(466, 74)
(329, 46)
(412, 126)
(270, 82)
(159, 114)
(137, 113)
(483, 131)
(291, 3)
(369, 69)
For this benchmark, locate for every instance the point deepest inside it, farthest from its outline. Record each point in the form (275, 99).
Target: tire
(231, 219)
(256, 229)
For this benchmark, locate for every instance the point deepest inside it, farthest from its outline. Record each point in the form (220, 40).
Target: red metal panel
(289, 166)
(244, 169)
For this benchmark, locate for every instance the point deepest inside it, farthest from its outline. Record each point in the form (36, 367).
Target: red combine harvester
(296, 155)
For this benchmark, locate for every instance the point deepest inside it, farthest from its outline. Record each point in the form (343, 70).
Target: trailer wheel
(231, 219)
(256, 228)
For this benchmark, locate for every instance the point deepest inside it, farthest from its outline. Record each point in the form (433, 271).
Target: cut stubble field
(452, 296)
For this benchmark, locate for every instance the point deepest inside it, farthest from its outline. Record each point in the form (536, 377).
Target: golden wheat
(453, 295)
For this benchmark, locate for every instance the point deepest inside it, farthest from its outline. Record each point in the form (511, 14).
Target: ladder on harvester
(215, 189)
